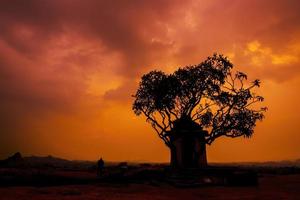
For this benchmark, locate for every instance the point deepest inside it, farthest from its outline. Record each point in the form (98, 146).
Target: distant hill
(47, 161)
(17, 160)
(14, 160)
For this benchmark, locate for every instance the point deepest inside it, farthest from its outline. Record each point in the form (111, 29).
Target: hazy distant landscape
(18, 161)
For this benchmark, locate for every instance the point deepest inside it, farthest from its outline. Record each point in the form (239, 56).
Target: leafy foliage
(207, 93)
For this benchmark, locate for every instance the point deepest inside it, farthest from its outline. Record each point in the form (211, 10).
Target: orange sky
(68, 70)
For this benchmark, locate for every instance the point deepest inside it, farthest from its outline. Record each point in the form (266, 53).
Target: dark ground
(270, 187)
(53, 178)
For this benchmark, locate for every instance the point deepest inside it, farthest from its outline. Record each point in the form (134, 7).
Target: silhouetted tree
(208, 95)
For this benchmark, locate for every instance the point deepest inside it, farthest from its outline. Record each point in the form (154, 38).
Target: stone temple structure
(188, 147)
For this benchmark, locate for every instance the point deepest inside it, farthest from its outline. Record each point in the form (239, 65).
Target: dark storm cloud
(139, 30)
(121, 25)
(130, 26)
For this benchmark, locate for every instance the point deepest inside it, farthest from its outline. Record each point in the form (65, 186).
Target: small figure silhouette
(100, 167)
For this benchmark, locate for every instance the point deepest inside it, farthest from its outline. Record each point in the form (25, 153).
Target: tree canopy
(221, 102)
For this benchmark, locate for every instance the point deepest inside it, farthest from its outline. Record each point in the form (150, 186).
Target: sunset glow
(68, 70)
